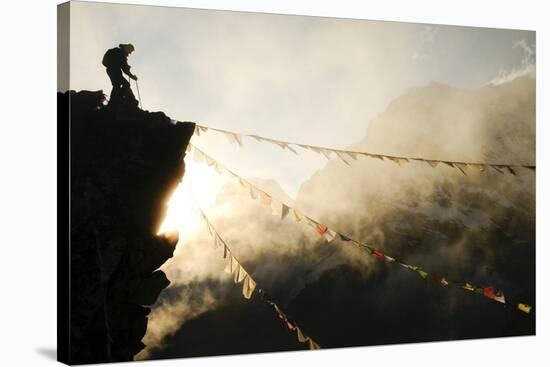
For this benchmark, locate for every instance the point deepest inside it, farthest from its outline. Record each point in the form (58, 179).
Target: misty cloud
(338, 83)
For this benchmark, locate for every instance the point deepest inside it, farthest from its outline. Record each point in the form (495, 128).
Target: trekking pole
(139, 96)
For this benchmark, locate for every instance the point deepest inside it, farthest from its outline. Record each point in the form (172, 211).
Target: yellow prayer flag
(313, 345)
(297, 215)
(248, 287)
(469, 287)
(253, 192)
(525, 308)
(240, 274)
(301, 337)
(228, 264)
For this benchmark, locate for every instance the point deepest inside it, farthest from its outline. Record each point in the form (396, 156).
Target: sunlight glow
(199, 185)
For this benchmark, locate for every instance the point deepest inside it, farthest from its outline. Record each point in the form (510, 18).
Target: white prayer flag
(240, 274)
(461, 167)
(499, 297)
(330, 235)
(276, 208)
(210, 161)
(341, 156)
(238, 139)
(433, 164)
(229, 264)
(198, 156)
(326, 153)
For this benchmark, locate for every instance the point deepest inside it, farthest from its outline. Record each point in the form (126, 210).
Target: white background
(28, 183)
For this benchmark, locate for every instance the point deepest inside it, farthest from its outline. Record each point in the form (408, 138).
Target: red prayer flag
(321, 229)
(265, 198)
(489, 292)
(435, 278)
(378, 253)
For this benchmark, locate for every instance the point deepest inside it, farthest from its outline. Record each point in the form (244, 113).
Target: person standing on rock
(116, 62)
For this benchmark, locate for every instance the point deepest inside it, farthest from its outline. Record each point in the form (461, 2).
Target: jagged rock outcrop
(122, 172)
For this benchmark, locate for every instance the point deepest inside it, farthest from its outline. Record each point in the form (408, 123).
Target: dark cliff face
(122, 173)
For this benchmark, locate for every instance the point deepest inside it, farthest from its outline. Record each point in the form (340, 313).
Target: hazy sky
(306, 79)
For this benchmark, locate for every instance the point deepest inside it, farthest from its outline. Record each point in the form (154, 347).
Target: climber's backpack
(111, 57)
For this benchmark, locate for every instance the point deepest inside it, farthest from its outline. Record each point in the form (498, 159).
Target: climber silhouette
(116, 62)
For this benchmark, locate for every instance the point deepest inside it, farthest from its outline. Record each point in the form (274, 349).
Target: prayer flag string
(234, 267)
(282, 210)
(347, 155)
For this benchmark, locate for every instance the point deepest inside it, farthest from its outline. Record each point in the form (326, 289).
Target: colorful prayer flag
(321, 229)
(378, 253)
(462, 167)
(301, 337)
(217, 240)
(248, 287)
(229, 264)
(480, 167)
(198, 156)
(234, 138)
(499, 297)
(423, 274)
(240, 274)
(432, 163)
(285, 211)
(525, 308)
(489, 292)
(341, 156)
(276, 208)
(289, 324)
(313, 345)
(265, 198)
(468, 287)
(497, 168)
(297, 215)
(210, 161)
(330, 235)
(253, 192)
(365, 248)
